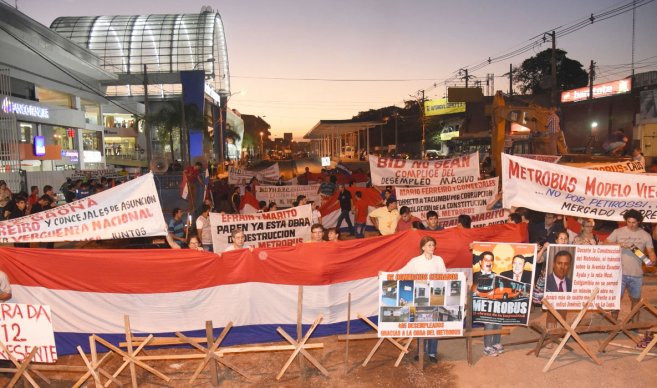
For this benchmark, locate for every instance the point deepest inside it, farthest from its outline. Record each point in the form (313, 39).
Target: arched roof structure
(165, 43)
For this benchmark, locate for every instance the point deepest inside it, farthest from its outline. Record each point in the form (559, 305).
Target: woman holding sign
(427, 262)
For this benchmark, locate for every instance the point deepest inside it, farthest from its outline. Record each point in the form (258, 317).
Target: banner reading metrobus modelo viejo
(502, 276)
(448, 200)
(400, 172)
(131, 209)
(284, 196)
(576, 192)
(262, 230)
(421, 305)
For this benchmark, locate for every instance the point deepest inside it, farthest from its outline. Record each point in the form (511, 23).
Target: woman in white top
(427, 262)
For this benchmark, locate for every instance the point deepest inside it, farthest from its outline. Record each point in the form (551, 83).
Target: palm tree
(168, 122)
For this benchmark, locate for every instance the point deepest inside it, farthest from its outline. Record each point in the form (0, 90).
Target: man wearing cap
(385, 218)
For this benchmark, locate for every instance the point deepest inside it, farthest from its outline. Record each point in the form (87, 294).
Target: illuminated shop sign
(72, 155)
(19, 108)
(600, 90)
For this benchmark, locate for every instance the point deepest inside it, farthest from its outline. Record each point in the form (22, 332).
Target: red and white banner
(574, 271)
(284, 196)
(480, 220)
(131, 209)
(25, 327)
(237, 176)
(263, 230)
(448, 200)
(400, 172)
(628, 166)
(577, 192)
(421, 305)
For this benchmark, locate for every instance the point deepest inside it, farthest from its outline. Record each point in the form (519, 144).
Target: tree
(168, 122)
(534, 73)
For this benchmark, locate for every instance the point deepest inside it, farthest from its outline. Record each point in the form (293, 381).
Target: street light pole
(262, 146)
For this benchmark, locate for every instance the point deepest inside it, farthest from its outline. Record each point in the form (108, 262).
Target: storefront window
(52, 97)
(91, 111)
(92, 140)
(63, 137)
(119, 121)
(27, 132)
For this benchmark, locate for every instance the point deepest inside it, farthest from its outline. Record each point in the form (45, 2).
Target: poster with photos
(421, 305)
(502, 275)
(573, 272)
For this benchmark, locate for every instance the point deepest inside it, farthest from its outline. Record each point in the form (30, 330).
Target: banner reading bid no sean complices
(400, 172)
(131, 209)
(576, 192)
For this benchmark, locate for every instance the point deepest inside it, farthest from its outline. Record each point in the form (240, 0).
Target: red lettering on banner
(605, 189)
(551, 179)
(390, 163)
(36, 312)
(646, 191)
(9, 311)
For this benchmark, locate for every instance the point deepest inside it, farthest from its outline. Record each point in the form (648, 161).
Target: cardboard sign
(400, 172)
(577, 192)
(262, 230)
(131, 209)
(421, 305)
(502, 276)
(24, 327)
(237, 176)
(448, 200)
(574, 271)
(284, 196)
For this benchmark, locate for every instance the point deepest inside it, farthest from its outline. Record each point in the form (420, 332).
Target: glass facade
(165, 43)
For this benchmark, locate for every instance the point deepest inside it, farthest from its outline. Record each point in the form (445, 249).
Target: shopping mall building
(73, 95)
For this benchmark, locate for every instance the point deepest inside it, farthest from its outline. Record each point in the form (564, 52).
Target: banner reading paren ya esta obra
(131, 209)
(576, 192)
(284, 196)
(448, 200)
(262, 230)
(400, 172)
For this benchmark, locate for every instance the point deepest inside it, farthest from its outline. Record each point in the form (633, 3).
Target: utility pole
(589, 144)
(466, 78)
(553, 92)
(510, 79)
(147, 128)
(424, 129)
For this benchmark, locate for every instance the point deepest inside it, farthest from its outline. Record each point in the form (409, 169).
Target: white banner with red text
(131, 209)
(284, 196)
(238, 176)
(400, 172)
(421, 305)
(25, 327)
(448, 200)
(577, 192)
(262, 230)
(479, 220)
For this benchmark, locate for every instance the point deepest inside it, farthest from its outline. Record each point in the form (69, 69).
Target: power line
(335, 79)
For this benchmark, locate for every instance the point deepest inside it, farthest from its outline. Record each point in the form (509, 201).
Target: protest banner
(502, 276)
(262, 230)
(399, 172)
(480, 220)
(284, 196)
(448, 200)
(25, 327)
(238, 176)
(542, 158)
(421, 305)
(573, 272)
(577, 192)
(626, 166)
(131, 209)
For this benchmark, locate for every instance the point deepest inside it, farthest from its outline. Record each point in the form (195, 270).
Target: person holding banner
(316, 233)
(203, 228)
(632, 238)
(239, 237)
(5, 287)
(427, 262)
(432, 221)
